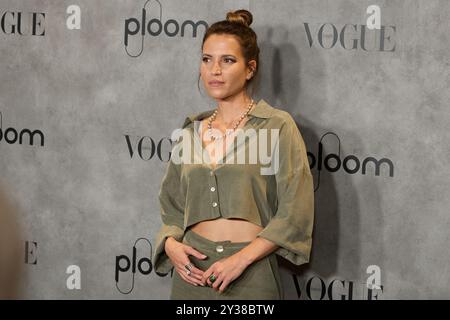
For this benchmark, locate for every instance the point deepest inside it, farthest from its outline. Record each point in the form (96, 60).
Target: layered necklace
(228, 132)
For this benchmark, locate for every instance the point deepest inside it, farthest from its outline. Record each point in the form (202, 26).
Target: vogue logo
(11, 135)
(154, 27)
(144, 265)
(146, 147)
(19, 23)
(30, 252)
(315, 288)
(351, 163)
(351, 37)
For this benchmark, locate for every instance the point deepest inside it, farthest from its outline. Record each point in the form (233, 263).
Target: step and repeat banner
(91, 91)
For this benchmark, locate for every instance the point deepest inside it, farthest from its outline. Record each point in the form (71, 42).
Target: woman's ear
(252, 68)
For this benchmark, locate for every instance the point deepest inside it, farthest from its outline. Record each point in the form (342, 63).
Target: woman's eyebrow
(224, 55)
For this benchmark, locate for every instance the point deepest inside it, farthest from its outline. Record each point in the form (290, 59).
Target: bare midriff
(235, 230)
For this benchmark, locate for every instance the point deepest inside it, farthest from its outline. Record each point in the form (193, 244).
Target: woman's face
(223, 69)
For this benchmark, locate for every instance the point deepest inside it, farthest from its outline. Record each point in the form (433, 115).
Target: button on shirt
(278, 196)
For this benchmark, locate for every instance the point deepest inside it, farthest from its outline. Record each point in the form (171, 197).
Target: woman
(223, 224)
(10, 247)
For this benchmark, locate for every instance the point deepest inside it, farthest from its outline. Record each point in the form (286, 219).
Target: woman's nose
(216, 69)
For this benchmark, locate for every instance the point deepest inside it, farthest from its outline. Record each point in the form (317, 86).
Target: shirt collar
(261, 110)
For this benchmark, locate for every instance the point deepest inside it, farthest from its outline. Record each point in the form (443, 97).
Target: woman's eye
(227, 60)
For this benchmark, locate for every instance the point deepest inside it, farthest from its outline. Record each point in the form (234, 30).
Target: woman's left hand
(225, 270)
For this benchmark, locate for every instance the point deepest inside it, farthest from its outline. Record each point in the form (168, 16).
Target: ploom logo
(11, 135)
(144, 265)
(154, 27)
(23, 24)
(351, 163)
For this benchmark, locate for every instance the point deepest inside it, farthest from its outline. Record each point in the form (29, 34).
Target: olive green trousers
(259, 281)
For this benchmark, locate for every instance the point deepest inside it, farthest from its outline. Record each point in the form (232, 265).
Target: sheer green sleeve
(172, 203)
(292, 224)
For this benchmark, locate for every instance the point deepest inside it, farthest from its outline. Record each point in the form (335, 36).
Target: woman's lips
(215, 83)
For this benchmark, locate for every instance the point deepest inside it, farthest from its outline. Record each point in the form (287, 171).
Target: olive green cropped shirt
(282, 203)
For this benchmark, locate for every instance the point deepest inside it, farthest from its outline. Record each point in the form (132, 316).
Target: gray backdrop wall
(100, 91)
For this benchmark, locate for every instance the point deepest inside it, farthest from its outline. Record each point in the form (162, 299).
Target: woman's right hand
(179, 253)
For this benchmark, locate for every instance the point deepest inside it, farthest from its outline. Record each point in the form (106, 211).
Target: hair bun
(240, 16)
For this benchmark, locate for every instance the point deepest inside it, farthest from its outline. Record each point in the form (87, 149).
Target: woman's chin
(217, 93)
